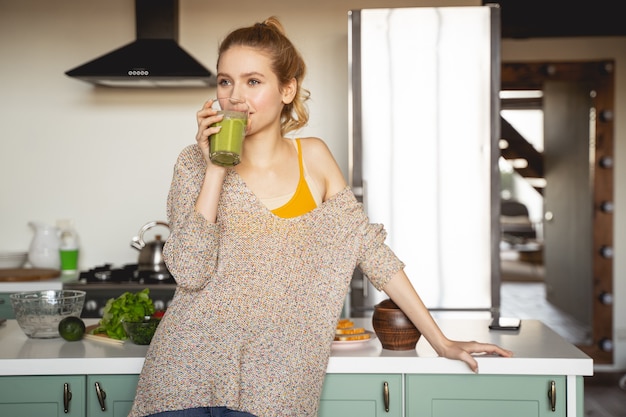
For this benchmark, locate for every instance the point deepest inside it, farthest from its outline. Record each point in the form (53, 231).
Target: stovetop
(127, 274)
(105, 282)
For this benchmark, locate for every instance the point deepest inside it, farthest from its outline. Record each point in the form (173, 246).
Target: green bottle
(68, 247)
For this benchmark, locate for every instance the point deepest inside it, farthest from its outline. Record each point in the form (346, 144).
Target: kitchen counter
(538, 351)
(38, 285)
(19, 286)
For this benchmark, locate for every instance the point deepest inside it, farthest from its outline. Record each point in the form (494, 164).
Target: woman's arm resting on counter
(401, 292)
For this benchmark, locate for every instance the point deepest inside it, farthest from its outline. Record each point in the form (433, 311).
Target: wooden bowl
(393, 328)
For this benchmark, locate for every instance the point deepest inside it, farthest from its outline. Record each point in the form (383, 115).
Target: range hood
(154, 59)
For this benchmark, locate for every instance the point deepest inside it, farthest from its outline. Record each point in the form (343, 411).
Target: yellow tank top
(302, 200)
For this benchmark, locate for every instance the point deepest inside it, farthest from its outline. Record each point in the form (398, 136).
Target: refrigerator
(424, 130)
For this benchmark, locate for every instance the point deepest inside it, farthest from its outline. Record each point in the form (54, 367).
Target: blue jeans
(203, 412)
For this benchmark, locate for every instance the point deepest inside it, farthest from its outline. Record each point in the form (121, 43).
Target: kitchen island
(363, 379)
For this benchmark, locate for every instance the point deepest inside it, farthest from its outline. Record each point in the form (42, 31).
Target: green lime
(72, 328)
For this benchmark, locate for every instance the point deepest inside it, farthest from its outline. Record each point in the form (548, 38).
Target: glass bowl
(141, 332)
(38, 313)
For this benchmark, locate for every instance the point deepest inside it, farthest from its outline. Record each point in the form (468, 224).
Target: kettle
(151, 253)
(43, 251)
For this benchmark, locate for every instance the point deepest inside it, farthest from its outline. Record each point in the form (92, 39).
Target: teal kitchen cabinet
(67, 395)
(37, 396)
(485, 395)
(6, 310)
(110, 395)
(361, 395)
(343, 395)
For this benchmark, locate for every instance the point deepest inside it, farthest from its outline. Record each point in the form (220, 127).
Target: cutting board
(27, 274)
(100, 337)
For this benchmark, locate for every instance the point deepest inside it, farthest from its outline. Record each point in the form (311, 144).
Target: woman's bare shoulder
(315, 148)
(322, 165)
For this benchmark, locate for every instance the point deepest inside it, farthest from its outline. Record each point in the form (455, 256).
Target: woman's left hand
(400, 290)
(463, 351)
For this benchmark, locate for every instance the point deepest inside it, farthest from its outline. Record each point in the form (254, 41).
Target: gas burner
(151, 277)
(107, 274)
(127, 274)
(104, 282)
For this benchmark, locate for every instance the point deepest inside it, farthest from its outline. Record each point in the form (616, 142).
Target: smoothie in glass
(226, 145)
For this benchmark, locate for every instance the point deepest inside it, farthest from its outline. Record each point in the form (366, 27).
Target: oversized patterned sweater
(257, 300)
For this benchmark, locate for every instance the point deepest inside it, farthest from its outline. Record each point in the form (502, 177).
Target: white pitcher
(44, 247)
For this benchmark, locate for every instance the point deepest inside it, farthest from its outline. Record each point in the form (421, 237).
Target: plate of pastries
(347, 333)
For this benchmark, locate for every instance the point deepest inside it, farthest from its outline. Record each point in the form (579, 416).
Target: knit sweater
(258, 297)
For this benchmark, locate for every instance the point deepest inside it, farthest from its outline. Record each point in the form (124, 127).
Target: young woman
(263, 254)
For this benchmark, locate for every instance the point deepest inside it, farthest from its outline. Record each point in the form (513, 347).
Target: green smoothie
(225, 146)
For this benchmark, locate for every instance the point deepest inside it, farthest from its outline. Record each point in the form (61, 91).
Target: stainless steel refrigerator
(424, 131)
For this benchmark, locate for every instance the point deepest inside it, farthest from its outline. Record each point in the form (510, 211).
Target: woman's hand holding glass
(207, 117)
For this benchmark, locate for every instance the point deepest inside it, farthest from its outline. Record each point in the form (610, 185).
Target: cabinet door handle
(67, 397)
(552, 395)
(101, 396)
(386, 396)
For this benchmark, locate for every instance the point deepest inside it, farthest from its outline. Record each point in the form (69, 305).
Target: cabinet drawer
(118, 393)
(361, 395)
(484, 395)
(37, 396)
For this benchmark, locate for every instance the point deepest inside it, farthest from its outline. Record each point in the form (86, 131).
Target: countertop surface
(538, 351)
(39, 285)
(48, 284)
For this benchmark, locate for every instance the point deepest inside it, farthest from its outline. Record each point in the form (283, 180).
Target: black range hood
(154, 59)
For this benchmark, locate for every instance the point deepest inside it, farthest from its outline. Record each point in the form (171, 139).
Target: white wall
(104, 157)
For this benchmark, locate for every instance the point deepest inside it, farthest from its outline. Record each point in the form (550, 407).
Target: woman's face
(246, 73)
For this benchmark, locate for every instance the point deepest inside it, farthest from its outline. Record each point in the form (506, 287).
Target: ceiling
(560, 18)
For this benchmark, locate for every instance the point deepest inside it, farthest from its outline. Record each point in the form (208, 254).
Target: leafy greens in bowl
(129, 307)
(141, 332)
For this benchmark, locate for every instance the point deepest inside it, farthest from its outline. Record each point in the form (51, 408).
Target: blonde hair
(287, 64)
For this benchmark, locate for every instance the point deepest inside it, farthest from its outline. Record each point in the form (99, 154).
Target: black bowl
(141, 332)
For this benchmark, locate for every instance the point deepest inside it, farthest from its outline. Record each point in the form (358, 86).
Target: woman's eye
(223, 81)
(254, 82)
